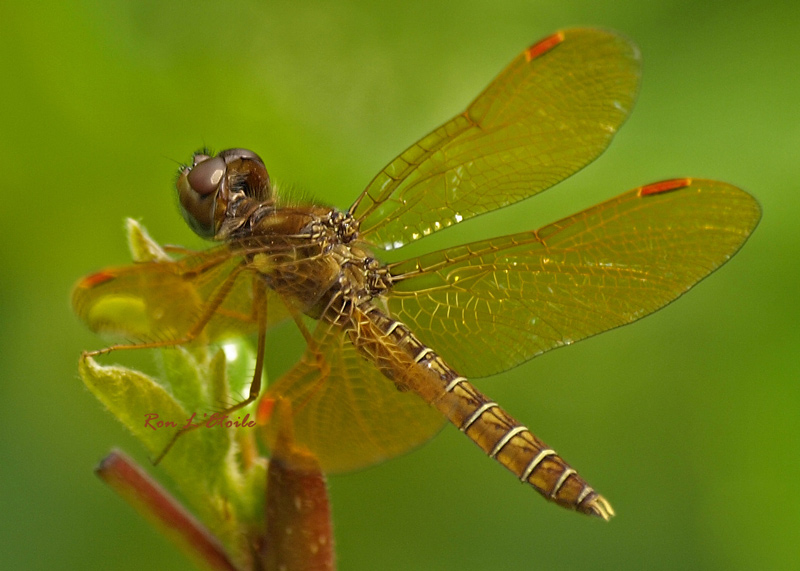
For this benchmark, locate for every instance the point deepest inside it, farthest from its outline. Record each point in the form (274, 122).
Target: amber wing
(552, 111)
(162, 301)
(601, 268)
(345, 410)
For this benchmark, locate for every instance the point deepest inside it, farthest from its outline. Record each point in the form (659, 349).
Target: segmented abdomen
(412, 366)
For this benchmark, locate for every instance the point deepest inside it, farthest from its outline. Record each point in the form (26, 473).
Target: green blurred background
(689, 422)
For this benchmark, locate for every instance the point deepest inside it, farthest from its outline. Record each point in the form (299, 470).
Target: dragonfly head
(212, 184)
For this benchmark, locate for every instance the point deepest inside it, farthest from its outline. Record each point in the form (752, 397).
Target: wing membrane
(490, 305)
(162, 300)
(348, 413)
(553, 110)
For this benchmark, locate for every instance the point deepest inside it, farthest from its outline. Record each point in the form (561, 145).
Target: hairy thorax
(312, 258)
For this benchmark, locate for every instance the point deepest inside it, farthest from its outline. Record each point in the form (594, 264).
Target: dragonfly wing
(346, 411)
(162, 300)
(604, 267)
(553, 110)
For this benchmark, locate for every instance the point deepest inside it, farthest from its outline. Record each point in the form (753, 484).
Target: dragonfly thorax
(342, 271)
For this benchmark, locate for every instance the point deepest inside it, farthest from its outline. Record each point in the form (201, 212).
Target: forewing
(490, 305)
(553, 110)
(346, 411)
(163, 300)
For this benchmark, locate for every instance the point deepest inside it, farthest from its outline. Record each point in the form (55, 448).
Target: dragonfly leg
(259, 302)
(208, 312)
(180, 250)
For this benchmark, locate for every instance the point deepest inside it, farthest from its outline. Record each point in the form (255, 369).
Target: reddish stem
(147, 497)
(299, 532)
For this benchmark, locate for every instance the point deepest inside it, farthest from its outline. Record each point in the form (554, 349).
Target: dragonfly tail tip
(601, 508)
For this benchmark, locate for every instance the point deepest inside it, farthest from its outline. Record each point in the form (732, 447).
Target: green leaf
(143, 248)
(228, 498)
(225, 491)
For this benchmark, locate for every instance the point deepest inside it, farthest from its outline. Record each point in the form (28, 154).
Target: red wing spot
(665, 186)
(544, 46)
(265, 410)
(95, 280)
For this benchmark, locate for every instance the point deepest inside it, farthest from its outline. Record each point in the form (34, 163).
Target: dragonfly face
(213, 189)
(386, 363)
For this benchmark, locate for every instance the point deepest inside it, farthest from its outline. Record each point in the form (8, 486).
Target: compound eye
(247, 174)
(205, 176)
(199, 188)
(231, 155)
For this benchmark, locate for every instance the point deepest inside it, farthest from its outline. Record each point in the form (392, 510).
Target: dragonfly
(390, 347)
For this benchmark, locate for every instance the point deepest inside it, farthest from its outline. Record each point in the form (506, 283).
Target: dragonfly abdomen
(397, 352)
